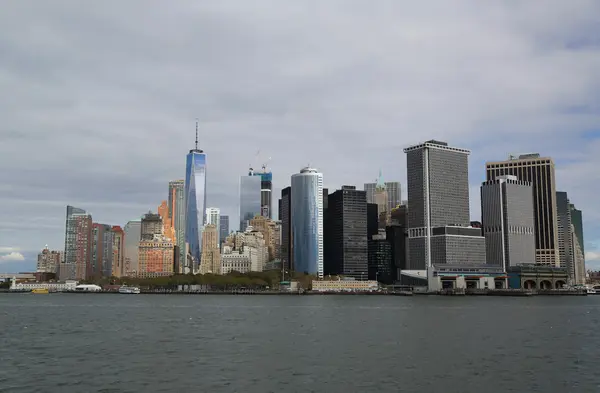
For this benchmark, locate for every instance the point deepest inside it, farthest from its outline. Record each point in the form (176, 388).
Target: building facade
(250, 198)
(285, 216)
(271, 231)
(381, 264)
(156, 257)
(167, 224)
(438, 208)
(102, 251)
(48, 261)
(507, 221)
(118, 251)
(195, 203)
(255, 246)
(177, 215)
(234, 261)
(393, 192)
(223, 228)
(133, 234)
(213, 217)
(151, 225)
(211, 256)
(307, 221)
(266, 189)
(539, 171)
(77, 252)
(569, 245)
(346, 248)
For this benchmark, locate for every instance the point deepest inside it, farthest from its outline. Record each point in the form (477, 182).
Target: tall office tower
(133, 235)
(151, 225)
(156, 257)
(578, 259)
(177, 215)
(211, 257)
(118, 250)
(78, 227)
(539, 171)
(48, 261)
(347, 247)
(102, 251)
(577, 221)
(195, 201)
(569, 245)
(250, 197)
(266, 188)
(438, 209)
(372, 220)
(213, 217)
(167, 224)
(393, 191)
(285, 216)
(307, 221)
(223, 228)
(507, 221)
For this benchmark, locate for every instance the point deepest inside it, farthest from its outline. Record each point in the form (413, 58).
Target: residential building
(118, 251)
(48, 261)
(307, 221)
(250, 198)
(177, 215)
(346, 248)
(195, 200)
(285, 215)
(507, 221)
(213, 217)
(133, 235)
(102, 252)
(540, 172)
(78, 227)
(223, 228)
(156, 257)
(438, 209)
(211, 256)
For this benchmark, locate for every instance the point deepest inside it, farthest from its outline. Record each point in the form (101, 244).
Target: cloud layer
(102, 97)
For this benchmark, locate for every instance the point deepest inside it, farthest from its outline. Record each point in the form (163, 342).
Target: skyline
(309, 90)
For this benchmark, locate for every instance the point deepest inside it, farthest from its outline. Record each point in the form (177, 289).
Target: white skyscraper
(307, 221)
(213, 216)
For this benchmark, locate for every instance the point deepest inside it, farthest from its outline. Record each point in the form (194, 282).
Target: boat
(129, 290)
(40, 290)
(590, 290)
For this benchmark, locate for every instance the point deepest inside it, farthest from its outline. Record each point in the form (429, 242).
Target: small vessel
(129, 290)
(590, 290)
(40, 290)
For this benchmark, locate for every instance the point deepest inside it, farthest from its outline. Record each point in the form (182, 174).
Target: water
(166, 343)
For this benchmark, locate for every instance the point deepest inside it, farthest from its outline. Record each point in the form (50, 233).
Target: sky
(100, 99)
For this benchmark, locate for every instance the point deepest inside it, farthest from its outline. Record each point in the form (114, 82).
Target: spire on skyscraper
(380, 182)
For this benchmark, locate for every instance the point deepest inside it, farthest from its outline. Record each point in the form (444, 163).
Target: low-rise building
(234, 261)
(68, 285)
(344, 286)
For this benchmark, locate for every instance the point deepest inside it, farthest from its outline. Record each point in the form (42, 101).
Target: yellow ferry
(39, 290)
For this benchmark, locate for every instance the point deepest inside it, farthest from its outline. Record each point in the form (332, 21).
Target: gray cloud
(100, 98)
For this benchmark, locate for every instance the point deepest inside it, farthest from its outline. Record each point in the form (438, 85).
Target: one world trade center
(195, 203)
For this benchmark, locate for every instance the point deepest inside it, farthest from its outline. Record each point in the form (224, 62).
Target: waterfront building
(438, 209)
(195, 201)
(540, 172)
(213, 217)
(537, 277)
(307, 221)
(250, 198)
(78, 227)
(223, 228)
(48, 261)
(177, 216)
(68, 285)
(211, 257)
(344, 285)
(118, 251)
(133, 235)
(156, 257)
(507, 221)
(235, 261)
(569, 245)
(285, 215)
(346, 248)
(102, 251)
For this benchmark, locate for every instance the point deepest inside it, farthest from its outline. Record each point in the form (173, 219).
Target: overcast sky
(99, 99)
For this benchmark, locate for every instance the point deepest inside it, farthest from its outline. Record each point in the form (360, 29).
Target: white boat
(129, 290)
(590, 290)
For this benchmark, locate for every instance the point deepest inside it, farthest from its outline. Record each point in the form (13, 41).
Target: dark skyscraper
(223, 228)
(372, 220)
(285, 212)
(347, 249)
(266, 190)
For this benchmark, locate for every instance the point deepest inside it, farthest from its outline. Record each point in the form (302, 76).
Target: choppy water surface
(162, 343)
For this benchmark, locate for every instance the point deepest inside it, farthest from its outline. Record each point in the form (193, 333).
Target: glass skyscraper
(307, 221)
(177, 215)
(250, 198)
(195, 202)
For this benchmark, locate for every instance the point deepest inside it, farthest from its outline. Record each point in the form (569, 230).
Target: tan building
(234, 261)
(49, 261)
(211, 257)
(156, 257)
(540, 172)
(118, 250)
(380, 198)
(256, 248)
(271, 232)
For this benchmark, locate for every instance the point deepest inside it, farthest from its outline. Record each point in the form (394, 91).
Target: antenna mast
(196, 133)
